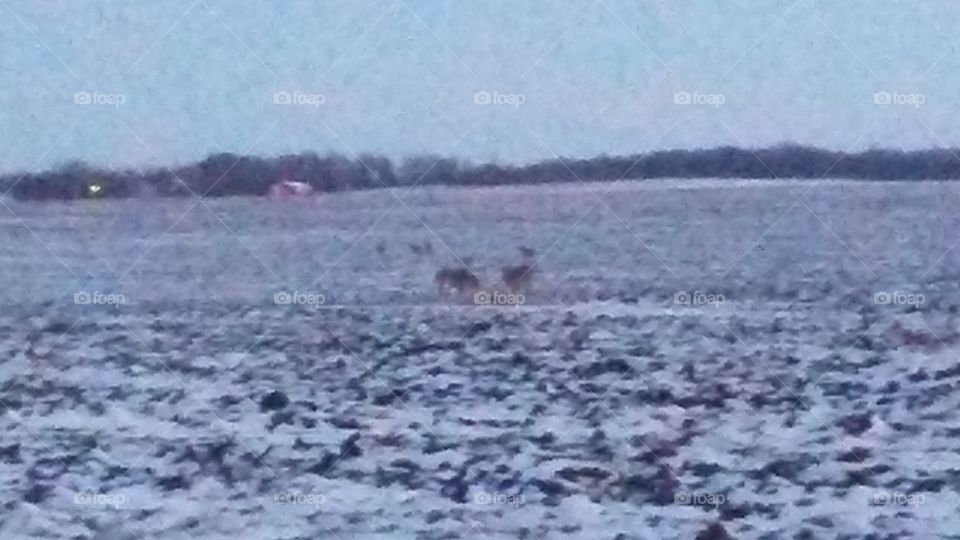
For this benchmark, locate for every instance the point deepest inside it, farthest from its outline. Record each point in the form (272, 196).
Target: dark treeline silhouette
(229, 174)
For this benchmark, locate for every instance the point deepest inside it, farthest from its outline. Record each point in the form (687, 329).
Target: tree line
(229, 174)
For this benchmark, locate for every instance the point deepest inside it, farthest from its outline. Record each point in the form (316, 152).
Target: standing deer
(518, 277)
(461, 280)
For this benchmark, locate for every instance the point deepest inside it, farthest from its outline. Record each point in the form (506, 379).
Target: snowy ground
(802, 406)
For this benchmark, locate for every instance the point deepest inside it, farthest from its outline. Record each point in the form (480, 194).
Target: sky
(136, 83)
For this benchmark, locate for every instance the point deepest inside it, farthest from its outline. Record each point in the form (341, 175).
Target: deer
(458, 278)
(518, 277)
(461, 280)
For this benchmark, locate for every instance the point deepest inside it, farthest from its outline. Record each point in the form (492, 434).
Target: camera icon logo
(482, 98)
(882, 98)
(880, 498)
(482, 498)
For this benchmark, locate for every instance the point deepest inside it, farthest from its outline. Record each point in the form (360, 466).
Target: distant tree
(229, 174)
(429, 169)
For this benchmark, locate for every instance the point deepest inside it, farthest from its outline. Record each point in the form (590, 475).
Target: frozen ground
(800, 407)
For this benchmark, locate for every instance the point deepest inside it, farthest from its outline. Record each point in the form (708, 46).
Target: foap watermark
(484, 97)
(688, 498)
(99, 499)
(299, 98)
(899, 98)
(897, 498)
(99, 98)
(84, 298)
(497, 298)
(485, 498)
(897, 298)
(294, 298)
(698, 98)
(307, 499)
(698, 298)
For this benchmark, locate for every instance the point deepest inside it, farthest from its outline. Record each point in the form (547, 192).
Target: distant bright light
(94, 189)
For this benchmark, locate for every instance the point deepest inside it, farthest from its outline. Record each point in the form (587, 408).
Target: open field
(817, 397)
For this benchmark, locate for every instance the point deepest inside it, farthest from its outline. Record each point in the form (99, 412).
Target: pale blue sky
(399, 78)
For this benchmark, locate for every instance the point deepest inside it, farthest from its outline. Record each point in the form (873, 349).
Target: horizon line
(476, 163)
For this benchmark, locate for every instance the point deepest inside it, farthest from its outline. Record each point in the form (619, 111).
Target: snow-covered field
(175, 398)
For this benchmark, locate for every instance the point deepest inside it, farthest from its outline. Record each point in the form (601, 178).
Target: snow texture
(802, 406)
